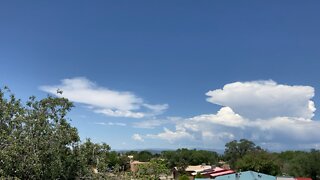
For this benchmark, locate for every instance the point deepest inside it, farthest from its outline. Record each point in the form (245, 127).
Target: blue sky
(140, 72)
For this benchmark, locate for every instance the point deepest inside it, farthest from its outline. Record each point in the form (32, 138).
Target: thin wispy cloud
(111, 124)
(137, 137)
(103, 100)
(154, 123)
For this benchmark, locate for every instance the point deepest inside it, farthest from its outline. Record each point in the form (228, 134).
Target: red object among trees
(217, 172)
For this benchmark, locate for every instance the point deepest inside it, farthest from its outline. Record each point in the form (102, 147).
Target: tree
(235, 150)
(203, 157)
(312, 162)
(260, 161)
(95, 155)
(181, 158)
(291, 162)
(184, 177)
(143, 156)
(37, 142)
(177, 159)
(305, 164)
(153, 169)
(118, 159)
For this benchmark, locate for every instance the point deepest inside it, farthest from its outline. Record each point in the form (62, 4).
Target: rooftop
(246, 175)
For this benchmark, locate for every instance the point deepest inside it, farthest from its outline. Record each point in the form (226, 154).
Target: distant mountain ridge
(159, 150)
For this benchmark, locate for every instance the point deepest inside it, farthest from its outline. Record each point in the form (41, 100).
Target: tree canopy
(259, 161)
(37, 142)
(235, 150)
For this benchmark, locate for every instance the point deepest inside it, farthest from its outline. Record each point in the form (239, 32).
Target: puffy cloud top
(274, 115)
(265, 99)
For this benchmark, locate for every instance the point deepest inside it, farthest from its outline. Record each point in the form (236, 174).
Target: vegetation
(260, 161)
(184, 177)
(235, 150)
(245, 155)
(38, 142)
(184, 157)
(143, 156)
(153, 169)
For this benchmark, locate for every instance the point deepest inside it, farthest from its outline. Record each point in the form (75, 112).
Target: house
(292, 178)
(246, 175)
(206, 171)
(191, 171)
(286, 178)
(215, 172)
(194, 170)
(224, 165)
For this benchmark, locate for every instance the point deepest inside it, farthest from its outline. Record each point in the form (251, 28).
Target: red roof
(210, 171)
(301, 178)
(220, 173)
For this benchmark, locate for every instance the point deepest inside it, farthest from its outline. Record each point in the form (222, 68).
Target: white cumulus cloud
(265, 99)
(172, 136)
(103, 100)
(268, 113)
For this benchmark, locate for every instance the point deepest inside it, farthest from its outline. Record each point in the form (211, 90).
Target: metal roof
(246, 175)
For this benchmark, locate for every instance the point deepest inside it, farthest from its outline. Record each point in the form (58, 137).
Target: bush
(184, 177)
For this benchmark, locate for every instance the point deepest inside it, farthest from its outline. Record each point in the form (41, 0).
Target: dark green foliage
(245, 155)
(184, 177)
(117, 160)
(259, 161)
(301, 164)
(236, 150)
(36, 140)
(181, 158)
(312, 164)
(95, 155)
(153, 169)
(199, 175)
(143, 156)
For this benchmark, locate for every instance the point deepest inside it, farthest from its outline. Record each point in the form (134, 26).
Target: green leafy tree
(235, 150)
(312, 162)
(184, 177)
(304, 164)
(177, 159)
(203, 157)
(143, 156)
(259, 161)
(118, 159)
(290, 162)
(182, 158)
(199, 175)
(153, 169)
(96, 156)
(37, 142)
